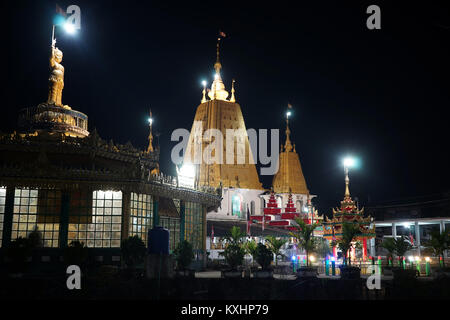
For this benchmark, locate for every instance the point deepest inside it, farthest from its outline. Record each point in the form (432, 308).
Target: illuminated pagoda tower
(349, 213)
(289, 184)
(232, 170)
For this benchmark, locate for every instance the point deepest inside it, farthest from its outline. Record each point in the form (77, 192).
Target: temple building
(350, 213)
(232, 170)
(70, 184)
(289, 182)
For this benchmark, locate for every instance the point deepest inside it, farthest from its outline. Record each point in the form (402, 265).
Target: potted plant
(184, 254)
(263, 256)
(76, 253)
(275, 246)
(250, 248)
(133, 253)
(389, 245)
(18, 252)
(306, 241)
(402, 245)
(437, 246)
(323, 249)
(234, 253)
(349, 233)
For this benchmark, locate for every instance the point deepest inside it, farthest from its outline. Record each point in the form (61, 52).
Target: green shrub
(184, 254)
(133, 251)
(263, 256)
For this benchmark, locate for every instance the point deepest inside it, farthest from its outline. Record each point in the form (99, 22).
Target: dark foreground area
(100, 287)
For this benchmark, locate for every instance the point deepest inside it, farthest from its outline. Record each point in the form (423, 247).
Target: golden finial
(218, 88)
(150, 137)
(288, 145)
(218, 65)
(347, 182)
(204, 92)
(233, 98)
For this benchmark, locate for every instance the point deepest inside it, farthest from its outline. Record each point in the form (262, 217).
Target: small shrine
(349, 213)
(274, 216)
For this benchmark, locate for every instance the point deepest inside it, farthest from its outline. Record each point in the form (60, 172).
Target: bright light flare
(204, 83)
(349, 162)
(288, 114)
(70, 28)
(150, 121)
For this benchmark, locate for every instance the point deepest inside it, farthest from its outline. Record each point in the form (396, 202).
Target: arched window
(299, 205)
(236, 206)
(279, 202)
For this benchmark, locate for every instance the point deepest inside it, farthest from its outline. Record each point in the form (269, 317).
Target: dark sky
(380, 95)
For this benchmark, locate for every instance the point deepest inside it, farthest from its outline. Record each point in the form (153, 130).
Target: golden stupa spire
(233, 98)
(204, 92)
(218, 91)
(347, 182)
(150, 136)
(288, 145)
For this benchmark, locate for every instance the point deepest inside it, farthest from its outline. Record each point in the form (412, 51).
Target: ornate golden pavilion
(73, 185)
(349, 213)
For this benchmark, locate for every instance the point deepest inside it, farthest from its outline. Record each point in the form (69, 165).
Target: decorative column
(442, 229)
(364, 249)
(182, 219)
(205, 256)
(372, 247)
(8, 215)
(155, 211)
(64, 219)
(417, 229)
(126, 201)
(394, 230)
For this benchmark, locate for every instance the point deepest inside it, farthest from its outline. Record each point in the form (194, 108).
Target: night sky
(379, 95)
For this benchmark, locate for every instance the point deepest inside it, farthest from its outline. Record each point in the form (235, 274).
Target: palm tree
(389, 245)
(250, 248)
(349, 232)
(304, 235)
(402, 245)
(438, 244)
(275, 245)
(235, 236)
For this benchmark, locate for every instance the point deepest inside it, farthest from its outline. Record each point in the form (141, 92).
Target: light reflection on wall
(101, 227)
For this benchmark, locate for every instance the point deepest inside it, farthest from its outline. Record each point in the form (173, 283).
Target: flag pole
(53, 36)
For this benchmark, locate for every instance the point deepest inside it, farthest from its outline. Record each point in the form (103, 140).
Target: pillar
(126, 201)
(394, 230)
(372, 247)
(417, 230)
(155, 211)
(182, 220)
(442, 229)
(205, 256)
(64, 219)
(364, 249)
(8, 215)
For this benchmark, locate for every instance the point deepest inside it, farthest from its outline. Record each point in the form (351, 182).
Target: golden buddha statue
(56, 80)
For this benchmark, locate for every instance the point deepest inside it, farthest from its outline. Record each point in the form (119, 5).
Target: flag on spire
(289, 106)
(60, 11)
(222, 34)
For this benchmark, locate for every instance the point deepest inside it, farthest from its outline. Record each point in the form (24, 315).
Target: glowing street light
(349, 162)
(70, 28)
